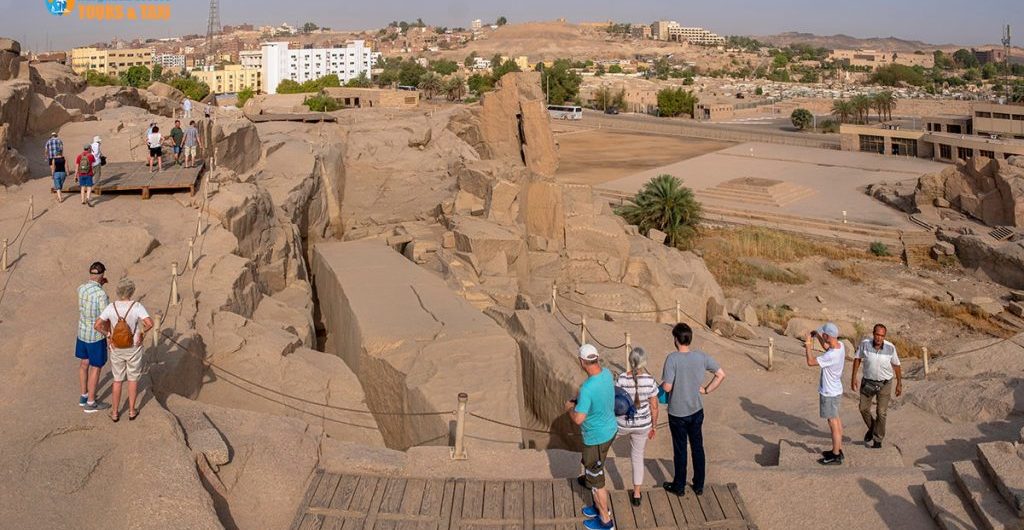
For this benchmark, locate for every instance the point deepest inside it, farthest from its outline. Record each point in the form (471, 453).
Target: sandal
(636, 500)
(115, 417)
(131, 417)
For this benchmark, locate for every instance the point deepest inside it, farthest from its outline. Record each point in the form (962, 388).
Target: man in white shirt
(186, 107)
(97, 165)
(154, 141)
(881, 363)
(830, 385)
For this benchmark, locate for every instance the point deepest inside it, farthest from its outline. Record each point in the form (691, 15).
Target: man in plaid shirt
(91, 345)
(54, 148)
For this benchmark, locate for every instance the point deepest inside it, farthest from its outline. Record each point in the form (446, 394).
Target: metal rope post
(215, 149)
(924, 352)
(459, 451)
(771, 352)
(174, 283)
(199, 223)
(554, 297)
(583, 329)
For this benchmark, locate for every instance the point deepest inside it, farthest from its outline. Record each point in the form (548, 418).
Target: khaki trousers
(876, 423)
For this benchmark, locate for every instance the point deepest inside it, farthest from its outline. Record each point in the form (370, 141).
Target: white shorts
(126, 363)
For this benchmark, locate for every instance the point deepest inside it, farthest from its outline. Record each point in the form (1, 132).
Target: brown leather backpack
(122, 336)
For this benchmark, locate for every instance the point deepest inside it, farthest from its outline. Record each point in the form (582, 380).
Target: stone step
(774, 199)
(986, 501)
(780, 221)
(796, 454)
(948, 507)
(1005, 467)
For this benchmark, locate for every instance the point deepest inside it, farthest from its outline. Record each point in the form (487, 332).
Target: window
(987, 154)
(1000, 115)
(981, 114)
(872, 144)
(945, 151)
(904, 147)
(964, 153)
(1018, 117)
(953, 129)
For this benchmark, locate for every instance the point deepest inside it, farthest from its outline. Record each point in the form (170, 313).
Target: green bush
(244, 95)
(94, 78)
(828, 126)
(321, 103)
(879, 249)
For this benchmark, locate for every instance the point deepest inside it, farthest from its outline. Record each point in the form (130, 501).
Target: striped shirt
(54, 147)
(91, 301)
(647, 388)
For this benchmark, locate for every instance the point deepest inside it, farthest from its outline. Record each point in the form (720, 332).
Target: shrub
(879, 249)
(244, 95)
(321, 103)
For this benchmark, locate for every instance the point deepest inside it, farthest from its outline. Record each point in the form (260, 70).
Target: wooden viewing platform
(336, 501)
(308, 117)
(137, 176)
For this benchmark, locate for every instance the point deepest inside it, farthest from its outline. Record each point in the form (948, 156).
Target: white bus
(565, 112)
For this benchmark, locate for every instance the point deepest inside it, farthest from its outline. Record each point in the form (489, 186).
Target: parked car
(611, 110)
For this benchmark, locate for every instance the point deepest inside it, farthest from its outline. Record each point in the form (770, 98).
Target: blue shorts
(58, 180)
(85, 181)
(177, 149)
(95, 352)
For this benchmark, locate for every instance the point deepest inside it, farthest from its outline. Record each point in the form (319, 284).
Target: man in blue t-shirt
(594, 411)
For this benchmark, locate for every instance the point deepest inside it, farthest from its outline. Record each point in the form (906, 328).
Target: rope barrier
(26, 224)
(532, 429)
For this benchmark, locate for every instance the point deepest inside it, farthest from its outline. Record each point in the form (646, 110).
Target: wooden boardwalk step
(335, 501)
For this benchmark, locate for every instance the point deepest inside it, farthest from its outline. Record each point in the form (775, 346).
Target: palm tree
(888, 101)
(664, 204)
(879, 105)
(430, 85)
(861, 105)
(842, 109)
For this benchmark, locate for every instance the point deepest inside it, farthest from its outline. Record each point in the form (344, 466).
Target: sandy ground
(595, 156)
(836, 176)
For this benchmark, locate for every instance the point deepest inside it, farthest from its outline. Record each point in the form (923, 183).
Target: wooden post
(215, 149)
(554, 297)
(32, 207)
(174, 284)
(679, 313)
(199, 223)
(583, 329)
(924, 352)
(629, 348)
(771, 353)
(191, 264)
(3, 257)
(156, 330)
(459, 451)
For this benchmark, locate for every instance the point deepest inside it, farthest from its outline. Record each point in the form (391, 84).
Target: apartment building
(109, 61)
(251, 59)
(992, 130)
(231, 79)
(300, 65)
(170, 61)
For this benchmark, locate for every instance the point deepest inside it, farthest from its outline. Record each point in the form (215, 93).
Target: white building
(280, 63)
(252, 59)
(169, 61)
(479, 63)
(476, 25)
(670, 30)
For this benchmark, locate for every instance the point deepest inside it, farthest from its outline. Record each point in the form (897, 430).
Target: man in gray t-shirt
(683, 379)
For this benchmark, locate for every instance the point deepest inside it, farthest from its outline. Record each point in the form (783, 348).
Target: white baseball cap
(589, 353)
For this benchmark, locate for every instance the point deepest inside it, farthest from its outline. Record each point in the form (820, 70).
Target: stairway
(755, 191)
(987, 492)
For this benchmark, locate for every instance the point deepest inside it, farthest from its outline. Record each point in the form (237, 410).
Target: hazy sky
(935, 21)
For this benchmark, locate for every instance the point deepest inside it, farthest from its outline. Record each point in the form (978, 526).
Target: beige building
(374, 97)
(232, 78)
(109, 61)
(670, 30)
(992, 131)
(874, 58)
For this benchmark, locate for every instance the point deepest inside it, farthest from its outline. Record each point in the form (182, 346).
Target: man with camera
(881, 363)
(830, 385)
(594, 411)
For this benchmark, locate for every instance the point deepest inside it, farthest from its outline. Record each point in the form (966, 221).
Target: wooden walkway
(343, 502)
(308, 117)
(136, 176)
